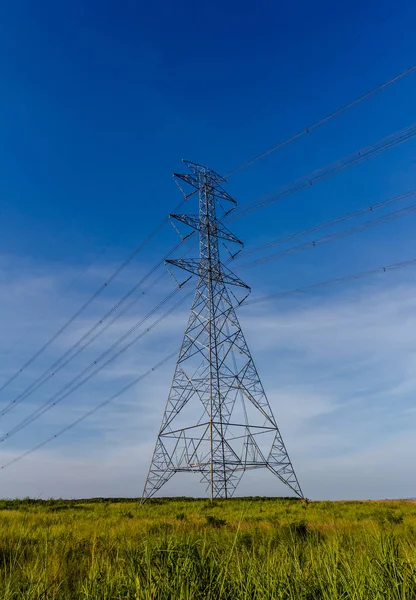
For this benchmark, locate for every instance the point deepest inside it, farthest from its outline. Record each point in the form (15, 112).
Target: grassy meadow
(249, 548)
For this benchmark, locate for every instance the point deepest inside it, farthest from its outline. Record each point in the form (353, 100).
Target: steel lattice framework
(217, 421)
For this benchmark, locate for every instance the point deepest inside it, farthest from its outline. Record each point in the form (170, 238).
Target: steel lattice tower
(217, 421)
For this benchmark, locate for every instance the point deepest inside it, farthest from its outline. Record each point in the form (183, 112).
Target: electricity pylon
(217, 421)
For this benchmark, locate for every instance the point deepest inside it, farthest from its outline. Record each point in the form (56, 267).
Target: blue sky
(99, 104)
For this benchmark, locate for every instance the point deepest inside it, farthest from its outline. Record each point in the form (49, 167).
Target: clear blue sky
(100, 101)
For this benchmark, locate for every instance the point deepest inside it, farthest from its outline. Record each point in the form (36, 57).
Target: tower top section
(199, 176)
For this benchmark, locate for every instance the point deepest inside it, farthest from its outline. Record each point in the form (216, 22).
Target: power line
(74, 351)
(86, 374)
(90, 370)
(346, 217)
(105, 285)
(308, 180)
(306, 288)
(79, 345)
(317, 124)
(333, 236)
(90, 412)
(66, 289)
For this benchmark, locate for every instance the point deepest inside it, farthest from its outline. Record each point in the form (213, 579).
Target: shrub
(214, 521)
(394, 518)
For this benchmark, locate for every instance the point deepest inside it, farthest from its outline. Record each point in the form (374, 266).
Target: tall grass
(180, 549)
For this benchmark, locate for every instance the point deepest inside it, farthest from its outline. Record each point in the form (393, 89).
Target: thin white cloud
(338, 369)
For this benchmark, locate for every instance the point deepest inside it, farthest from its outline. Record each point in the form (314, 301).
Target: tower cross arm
(217, 228)
(200, 268)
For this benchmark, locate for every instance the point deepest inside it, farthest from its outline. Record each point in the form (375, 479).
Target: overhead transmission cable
(324, 120)
(66, 289)
(332, 236)
(354, 276)
(308, 180)
(75, 350)
(393, 267)
(336, 221)
(104, 286)
(91, 411)
(97, 365)
(87, 338)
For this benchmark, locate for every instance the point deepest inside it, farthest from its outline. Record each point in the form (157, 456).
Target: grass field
(192, 549)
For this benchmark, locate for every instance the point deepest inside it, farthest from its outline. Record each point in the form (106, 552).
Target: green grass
(191, 549)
